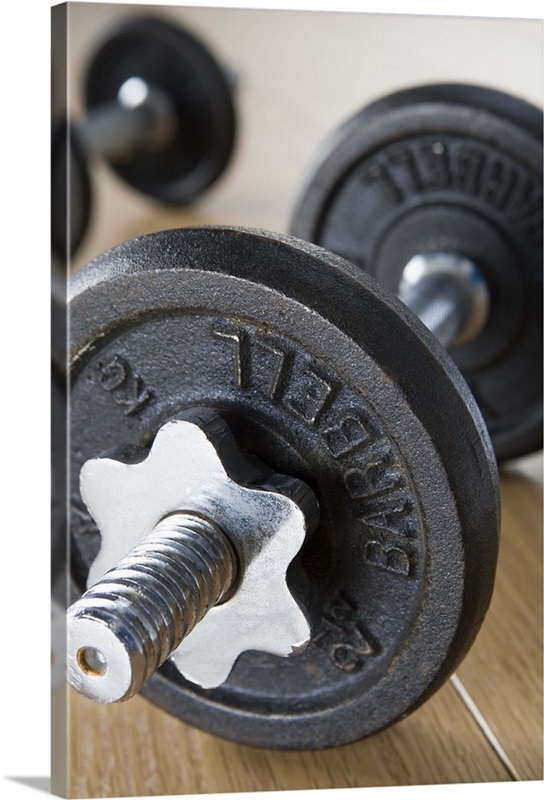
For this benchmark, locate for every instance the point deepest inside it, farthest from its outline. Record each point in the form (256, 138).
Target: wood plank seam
(484, 726)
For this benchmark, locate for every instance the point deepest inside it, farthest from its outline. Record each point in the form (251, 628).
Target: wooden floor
(485, 724)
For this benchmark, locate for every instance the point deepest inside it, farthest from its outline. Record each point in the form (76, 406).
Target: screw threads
(441, 303)
(448, 294)
(140, 611)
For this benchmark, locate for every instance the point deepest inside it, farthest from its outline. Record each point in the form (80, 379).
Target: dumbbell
(284, 500)
(436, 191)
(159, 110)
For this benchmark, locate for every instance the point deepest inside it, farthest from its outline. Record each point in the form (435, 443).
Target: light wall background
(299, 75)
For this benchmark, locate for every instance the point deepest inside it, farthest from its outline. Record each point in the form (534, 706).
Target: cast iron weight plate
(169, 58)
(58, 427)
(324, 376)
(458, 168)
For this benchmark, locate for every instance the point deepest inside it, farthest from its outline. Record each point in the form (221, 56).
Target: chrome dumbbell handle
(141, 117)
(448, 294)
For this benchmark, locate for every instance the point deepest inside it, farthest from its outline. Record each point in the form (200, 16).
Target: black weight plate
(173, 60)
(58, 474)
(71, 195)
(318, 373)
(458, 168)
(58, 426)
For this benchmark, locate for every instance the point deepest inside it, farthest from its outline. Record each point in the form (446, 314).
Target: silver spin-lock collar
(195, 545)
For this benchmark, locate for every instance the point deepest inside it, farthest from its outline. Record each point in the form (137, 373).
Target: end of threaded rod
(126, 625)
(105, 662)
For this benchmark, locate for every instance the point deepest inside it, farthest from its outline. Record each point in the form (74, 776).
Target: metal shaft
(126, 625)
(448, 294)
(141, 117)
(441, 303)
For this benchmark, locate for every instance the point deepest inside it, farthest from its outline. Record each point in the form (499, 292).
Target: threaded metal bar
(441, 303)
(126, 625)
(448, 294)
